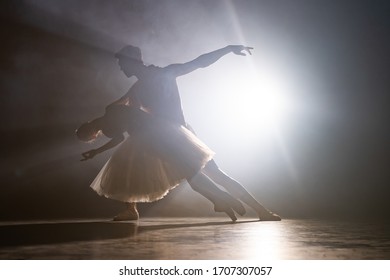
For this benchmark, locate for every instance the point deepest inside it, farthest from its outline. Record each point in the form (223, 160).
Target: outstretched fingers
(241, 49)
(248, 49)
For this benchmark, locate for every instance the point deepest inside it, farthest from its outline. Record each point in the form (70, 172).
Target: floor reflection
(195, 238)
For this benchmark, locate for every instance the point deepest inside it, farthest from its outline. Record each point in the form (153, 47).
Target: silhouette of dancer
(155, 157)
(157, 92)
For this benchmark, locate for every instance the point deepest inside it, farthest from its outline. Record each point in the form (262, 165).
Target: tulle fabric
(151, 162)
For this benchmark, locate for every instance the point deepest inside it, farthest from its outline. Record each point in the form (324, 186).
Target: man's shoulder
(153, 67)
(157, 70)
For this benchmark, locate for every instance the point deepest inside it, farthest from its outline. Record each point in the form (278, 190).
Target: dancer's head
(129, 59)
(88, 131)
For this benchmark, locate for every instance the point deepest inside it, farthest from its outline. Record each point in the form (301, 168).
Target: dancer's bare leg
(223, 202)
(238, 191)
(129, 214)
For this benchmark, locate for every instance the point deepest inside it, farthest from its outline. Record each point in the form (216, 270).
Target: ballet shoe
(234, 204)
(127, 215)
(231, 215)
(269, 217)
(226, 210)
(227, 204)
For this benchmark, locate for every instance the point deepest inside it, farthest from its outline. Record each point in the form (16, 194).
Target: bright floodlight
(258, 102)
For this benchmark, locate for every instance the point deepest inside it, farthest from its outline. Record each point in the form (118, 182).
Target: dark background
(57, 71)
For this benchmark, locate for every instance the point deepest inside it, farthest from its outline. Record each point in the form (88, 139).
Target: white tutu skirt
(150, 162)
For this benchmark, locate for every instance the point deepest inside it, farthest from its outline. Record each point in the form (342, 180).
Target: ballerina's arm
(110, 144)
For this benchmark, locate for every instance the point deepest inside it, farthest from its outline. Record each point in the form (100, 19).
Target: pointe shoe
(127, 215)
(227, 204)
(269, 217)
(226, 210)
(233, 203)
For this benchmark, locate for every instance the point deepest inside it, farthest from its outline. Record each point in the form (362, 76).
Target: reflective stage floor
(195, 238)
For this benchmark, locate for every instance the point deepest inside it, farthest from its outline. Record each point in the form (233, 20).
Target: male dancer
(157, 92)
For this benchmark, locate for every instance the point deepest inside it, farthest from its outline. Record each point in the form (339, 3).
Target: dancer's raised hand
(240, 49)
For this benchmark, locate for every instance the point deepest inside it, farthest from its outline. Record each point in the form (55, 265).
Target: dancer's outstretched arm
(207, 59)
(110, 144)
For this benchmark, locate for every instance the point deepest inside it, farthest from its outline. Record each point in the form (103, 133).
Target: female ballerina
(154, 158)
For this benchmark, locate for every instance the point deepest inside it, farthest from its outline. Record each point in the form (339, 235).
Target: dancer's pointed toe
(269, 217)
(127, 215)
(235, 204)
(226, 209)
